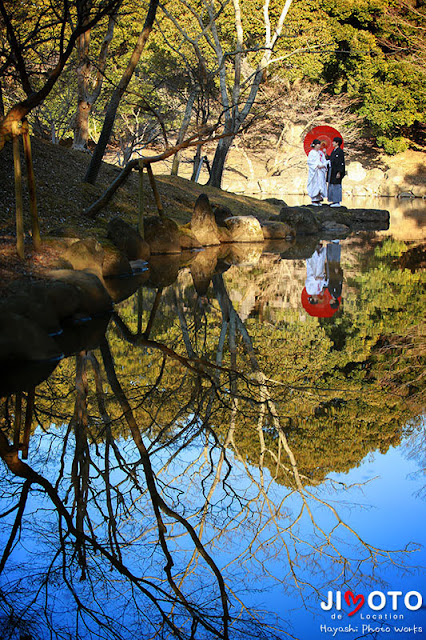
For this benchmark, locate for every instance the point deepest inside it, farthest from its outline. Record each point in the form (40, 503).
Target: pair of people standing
(323, 170)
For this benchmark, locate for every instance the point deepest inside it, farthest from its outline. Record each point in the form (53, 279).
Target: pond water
(223, 464)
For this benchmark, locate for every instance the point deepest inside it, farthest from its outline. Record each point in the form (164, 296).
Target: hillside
(62, 198)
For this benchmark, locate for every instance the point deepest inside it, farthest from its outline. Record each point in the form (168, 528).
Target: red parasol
(322, 309)
(323, 133)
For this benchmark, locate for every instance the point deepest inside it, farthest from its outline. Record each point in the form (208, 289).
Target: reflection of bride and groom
(324, 278)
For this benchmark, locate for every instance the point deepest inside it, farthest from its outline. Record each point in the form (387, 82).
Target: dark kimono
(337, 165)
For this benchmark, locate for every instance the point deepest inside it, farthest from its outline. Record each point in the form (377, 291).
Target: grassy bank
(62, 198)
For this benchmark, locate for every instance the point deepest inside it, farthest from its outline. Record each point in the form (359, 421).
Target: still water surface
(221, 461)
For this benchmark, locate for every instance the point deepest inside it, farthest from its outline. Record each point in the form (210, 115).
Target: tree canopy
(205, 57)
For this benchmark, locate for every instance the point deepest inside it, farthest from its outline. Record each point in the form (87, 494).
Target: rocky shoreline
(41, 321)
(338, 221)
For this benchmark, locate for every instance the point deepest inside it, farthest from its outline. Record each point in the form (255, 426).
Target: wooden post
(154, 189)
(31, 186)
(18, 194)
(141, 200)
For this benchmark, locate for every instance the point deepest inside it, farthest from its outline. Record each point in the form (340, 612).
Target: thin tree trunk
(35, 227)
(153, 313)
(18, 198)
(184, 128)
(1, 102)
(28, 421)
(234, 115)
(197, 160)
(95, 164)
(219, 160)
(81, 129)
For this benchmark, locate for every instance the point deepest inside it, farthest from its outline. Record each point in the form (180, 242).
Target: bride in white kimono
(317, 176)
(316, 278)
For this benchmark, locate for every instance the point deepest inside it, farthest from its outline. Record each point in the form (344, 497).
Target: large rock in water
(85, 254)
(244, 254)
(187, 239)
(64, 297)
(368, 218)
(128, 240)
(360, 219)
(273, 230)
(122, 288)
(162, 235)
(312, 220)
(32, 303)
(115, 263)
(244, 229)
(163, 270)
(303, 248)
(203, 223)
(33, 310)
(302, 219)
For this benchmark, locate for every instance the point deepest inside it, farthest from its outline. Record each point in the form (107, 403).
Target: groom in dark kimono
(336, 173)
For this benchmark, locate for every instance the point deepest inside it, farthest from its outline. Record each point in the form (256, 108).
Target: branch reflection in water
(175, 469)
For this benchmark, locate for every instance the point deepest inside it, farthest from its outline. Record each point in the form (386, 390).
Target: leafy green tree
(379, 62)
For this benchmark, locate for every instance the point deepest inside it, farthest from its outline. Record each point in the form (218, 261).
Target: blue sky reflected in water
(394, 515)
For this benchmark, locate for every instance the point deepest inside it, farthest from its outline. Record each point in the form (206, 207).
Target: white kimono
(317, 176)
(316, 278)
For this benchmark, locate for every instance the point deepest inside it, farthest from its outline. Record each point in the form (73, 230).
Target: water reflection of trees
(160, 493)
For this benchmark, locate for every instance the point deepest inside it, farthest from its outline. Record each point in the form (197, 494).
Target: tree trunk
(219, 160)
(197, 160)
(1, 102)
(95, 164)
(184, 128)
(87, 97)
(235, 116)
(81, 129)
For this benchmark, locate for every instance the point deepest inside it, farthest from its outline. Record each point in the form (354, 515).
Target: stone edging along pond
(383, 176)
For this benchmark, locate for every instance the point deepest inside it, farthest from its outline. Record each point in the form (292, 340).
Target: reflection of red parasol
(322, 309)
(323, 133)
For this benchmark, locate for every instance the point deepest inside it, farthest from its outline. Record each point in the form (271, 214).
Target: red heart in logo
(349, 596)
